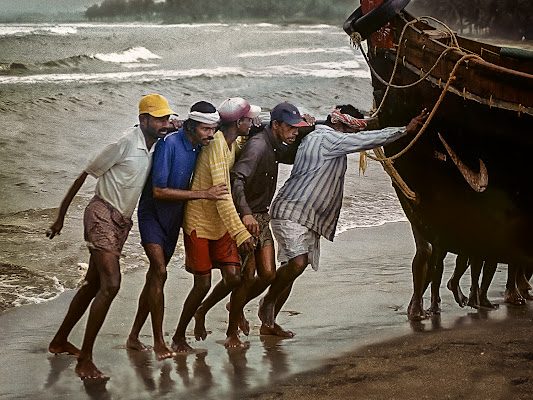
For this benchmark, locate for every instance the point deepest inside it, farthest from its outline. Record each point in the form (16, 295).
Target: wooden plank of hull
(508, 81)
(496, 223)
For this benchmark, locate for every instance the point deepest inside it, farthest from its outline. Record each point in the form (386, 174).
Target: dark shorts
(151, 231)
(202, 255)
(105, 228)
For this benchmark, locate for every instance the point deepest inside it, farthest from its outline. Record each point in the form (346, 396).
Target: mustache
(210, 138)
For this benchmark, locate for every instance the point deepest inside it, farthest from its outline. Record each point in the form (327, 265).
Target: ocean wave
(290, 52)
(19, 285)
(129, 58)
(131, 55)
(350, 68)
(27, 30)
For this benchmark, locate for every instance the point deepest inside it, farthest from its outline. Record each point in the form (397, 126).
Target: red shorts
(202, 255)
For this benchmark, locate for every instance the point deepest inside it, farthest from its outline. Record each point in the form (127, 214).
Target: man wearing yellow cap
(121, 169)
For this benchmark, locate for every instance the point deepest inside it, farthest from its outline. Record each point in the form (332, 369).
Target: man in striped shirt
(308, 205)
(212, 229)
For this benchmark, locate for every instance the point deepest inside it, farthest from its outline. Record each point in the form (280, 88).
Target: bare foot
(244, 325)
(512, 296)
(135, 344)
(57, 347)
(415, 311)
(266, 313)
(525, 294)
(233, 340)
(275, 331)
(200, 332)
(162, 352)
(458, 295)
(87, 370)
(181, 346)
(485, 302)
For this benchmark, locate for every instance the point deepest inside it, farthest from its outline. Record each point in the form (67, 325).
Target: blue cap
(288, 113)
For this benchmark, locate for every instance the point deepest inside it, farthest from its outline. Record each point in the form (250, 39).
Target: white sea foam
(129, 56)
(290, 52)
(37, 29)
(350, 68)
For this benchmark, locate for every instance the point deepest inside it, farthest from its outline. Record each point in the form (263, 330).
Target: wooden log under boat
(470, 170)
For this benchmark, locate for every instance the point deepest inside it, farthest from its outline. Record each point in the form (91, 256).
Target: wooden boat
(466, 182)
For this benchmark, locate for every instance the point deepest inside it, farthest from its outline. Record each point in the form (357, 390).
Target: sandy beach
(352, 339)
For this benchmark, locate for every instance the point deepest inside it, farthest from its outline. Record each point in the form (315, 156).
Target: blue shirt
(312, 196)
(173, 165)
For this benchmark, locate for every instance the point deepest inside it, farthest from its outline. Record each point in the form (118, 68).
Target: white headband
(206, 118)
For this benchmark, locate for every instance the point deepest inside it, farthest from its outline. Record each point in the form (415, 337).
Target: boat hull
(478, 132)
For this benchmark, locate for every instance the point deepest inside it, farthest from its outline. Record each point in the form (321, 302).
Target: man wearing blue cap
(308, 205)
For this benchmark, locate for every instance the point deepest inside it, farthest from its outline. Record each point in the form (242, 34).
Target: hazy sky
(10, 7)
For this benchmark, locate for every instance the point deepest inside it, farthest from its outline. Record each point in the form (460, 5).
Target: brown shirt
(255, 174)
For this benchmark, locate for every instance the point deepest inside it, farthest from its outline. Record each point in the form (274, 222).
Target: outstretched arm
(215, 192)
(55, 228)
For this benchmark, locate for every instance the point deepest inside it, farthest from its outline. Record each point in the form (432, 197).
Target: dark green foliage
(224, 10)
(504, 18)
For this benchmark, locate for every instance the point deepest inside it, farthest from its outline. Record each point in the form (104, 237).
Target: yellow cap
(155, 105)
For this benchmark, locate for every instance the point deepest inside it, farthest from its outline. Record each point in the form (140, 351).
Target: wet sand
(352, 338)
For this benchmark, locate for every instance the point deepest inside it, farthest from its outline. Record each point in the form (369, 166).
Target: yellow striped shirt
(212, 219)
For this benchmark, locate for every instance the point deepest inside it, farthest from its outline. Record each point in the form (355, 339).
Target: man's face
(243, 126)
(155, 127)
(203, 133)
(284, 132)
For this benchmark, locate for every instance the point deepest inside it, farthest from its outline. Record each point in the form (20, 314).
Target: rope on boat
(387, 162)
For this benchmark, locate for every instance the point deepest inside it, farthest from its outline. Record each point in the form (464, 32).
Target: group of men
(223, 202)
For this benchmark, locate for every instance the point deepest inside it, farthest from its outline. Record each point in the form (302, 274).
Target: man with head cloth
(160, 213)
(309, 203)
(213, 229)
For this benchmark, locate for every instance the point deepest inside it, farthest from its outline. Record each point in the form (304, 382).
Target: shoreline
(357, 298)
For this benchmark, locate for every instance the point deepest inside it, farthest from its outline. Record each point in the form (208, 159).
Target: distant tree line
(503, 18)
(175, 11)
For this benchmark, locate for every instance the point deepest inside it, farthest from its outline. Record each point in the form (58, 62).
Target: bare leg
(109, 272)
(236, 306)
(231, 278)
(436, 279)
(77, 308)
(265, 265)
(522, 282)
(415, 311)
(201, 287)
(512, 295)
(152, 301)
(461, 265)
(475, 271)
(278, 330)
(285, 277)
(489, 268)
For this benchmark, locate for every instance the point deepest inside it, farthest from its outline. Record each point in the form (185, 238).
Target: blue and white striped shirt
(312, 196)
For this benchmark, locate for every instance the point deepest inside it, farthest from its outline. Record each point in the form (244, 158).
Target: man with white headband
(213, 229)
(160, 214)
(309, 203)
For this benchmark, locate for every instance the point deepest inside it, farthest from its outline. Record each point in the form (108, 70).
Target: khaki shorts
(105, 228)
(295, 240)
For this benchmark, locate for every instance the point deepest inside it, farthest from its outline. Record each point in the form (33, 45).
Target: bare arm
(216, 192)
(55, 228)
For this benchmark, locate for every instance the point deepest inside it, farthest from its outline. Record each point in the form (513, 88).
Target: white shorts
(294, 240)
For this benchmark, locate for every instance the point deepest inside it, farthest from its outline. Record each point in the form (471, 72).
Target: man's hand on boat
(417, 122)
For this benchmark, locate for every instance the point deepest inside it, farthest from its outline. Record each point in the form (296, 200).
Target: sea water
(67, 90)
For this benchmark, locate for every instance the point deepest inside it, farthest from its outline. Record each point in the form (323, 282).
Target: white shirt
(121, 169)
